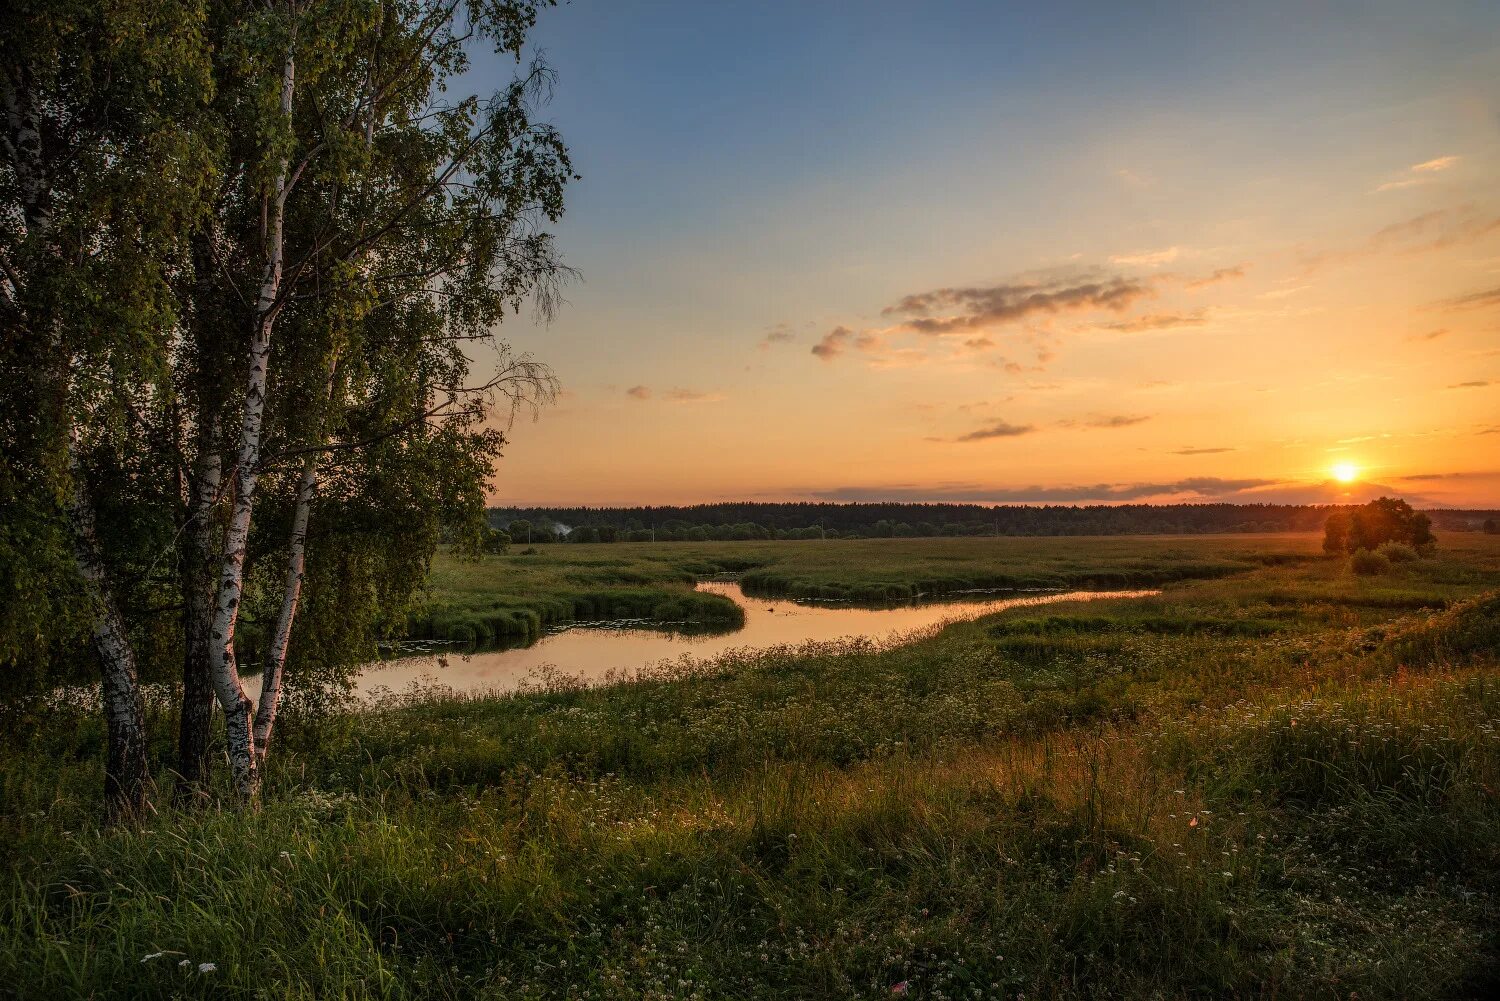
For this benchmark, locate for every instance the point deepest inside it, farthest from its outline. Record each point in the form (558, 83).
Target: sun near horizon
(916, 259)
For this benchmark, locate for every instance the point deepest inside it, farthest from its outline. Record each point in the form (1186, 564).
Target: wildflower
(207, 967)
(154, 955)
(1193, 822)
(900, 989)
(186, 962)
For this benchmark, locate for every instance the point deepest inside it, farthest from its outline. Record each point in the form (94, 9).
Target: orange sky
(1202, 293)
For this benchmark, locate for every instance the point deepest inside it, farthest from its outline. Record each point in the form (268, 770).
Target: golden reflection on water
(591, 653)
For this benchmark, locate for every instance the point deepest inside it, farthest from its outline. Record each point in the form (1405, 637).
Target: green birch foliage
(107, 165)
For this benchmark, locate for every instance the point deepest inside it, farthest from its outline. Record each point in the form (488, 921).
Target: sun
(1345, 472)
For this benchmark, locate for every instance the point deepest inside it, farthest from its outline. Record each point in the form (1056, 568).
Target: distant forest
(702, 522)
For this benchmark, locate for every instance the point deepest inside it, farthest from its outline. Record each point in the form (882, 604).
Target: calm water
(594, 652)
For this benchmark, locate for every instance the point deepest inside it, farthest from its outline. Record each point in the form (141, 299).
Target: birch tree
(256, 258)
(375, 187)
(102, 176)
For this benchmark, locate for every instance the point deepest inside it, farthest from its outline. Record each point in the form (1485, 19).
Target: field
(1277, 778)
(518, 594)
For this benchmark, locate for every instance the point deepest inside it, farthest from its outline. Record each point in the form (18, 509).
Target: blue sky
(797, 168)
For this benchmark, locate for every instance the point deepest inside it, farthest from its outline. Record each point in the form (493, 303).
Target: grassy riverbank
(1280, 782)
(516, 595)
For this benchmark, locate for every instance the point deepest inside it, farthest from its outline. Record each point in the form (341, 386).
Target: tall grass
(1214, 792)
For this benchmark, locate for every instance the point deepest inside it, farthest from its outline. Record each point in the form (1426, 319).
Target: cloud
(1148, 258)
(1434, 230)
(1201, 451)
(1159, 321)
(1113, 421)
(1440, 163)
(1282, 293)
(1431, 231)
(1219, 275)
(999, 429)
(779, 334)
(1474, 384)
(1473, 475)
(1406, 182)
(1431, 335)
(1475, 300)
(836, 340)
(675, 395)
(1203, 487)
(1422, 173)
(1199, 489)
(971, 309)
(678, 395)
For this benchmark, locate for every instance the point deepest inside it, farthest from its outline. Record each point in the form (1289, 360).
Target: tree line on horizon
(829, 520)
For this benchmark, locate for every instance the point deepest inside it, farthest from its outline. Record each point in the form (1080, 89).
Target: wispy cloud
(963, 310)
(1159, 321)
(999, 429)
(1106, 421)
(1424, 233)
(1418, 174)
(1219, 275)
(675, 395)
(1475, 300)
(1405, 182)
(839, 338)
(1282, 293)
(1435, 164)
(1472, 384)
(1201, 451)
(693, 396)
(779, 334)
(1203, 487)
(1430, 335)
(1148, 258)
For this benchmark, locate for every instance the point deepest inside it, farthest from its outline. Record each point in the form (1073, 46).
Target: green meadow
(517, 594)
(1277, 778)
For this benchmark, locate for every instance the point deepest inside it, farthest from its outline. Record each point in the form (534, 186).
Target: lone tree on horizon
(1387, 519)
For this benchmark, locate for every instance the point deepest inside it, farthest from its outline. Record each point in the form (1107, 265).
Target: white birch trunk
(270, 691)
(225, 671)
(198, 598)
(126, 776)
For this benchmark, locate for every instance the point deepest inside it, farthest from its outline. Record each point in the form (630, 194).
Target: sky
(1061, 253)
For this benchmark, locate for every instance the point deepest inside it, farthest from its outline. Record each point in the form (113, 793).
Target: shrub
(1398, 552)
(1367, 563)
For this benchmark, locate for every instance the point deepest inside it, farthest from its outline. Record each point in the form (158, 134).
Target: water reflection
(591, 652)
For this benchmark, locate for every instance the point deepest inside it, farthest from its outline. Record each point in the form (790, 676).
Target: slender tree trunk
(196, 719)
(225, 671)
(271, 683)
(127, 780)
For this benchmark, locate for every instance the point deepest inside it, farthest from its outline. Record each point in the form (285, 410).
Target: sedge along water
(594, 652)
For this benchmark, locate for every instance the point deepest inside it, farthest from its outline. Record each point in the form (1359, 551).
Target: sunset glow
(976, 279)
(1345, 472)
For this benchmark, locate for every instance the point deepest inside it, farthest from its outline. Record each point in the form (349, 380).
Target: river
(593, 652)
